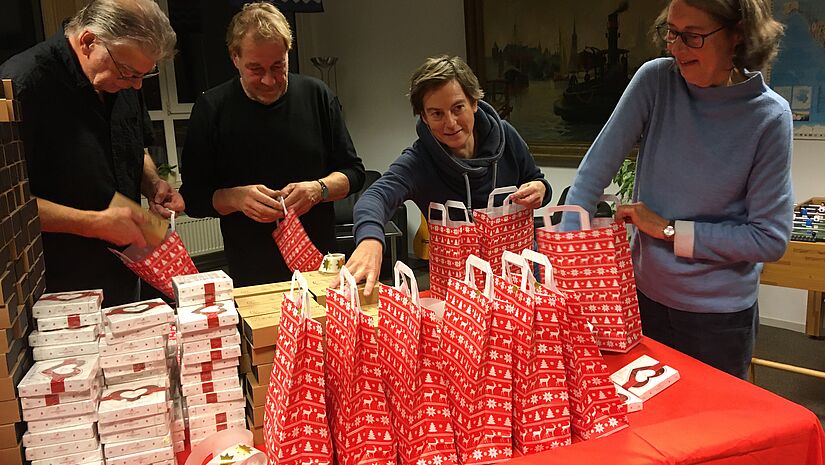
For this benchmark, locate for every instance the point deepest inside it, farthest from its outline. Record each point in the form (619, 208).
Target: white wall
(380, 43)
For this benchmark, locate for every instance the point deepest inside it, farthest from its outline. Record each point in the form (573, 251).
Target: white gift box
(130, 345)
(633, 403)
(57, 436)
(68, 303)
(132, 358)
(204, 421)
(70, 409)
(153, 331)
(67, 321)
(151, 457)
(64, 350)
(133, 446)
(209, 366)
(73, 374)
(645, 377)
(158, 380)
(202, 288)
(189, 358)
(117, 380)
(122, 404)
(227, 395)
(152, 431)
(63, 336)
(126, 319)
(222, 384)
(207, 376)
(212, 409)
(85, 458)
(198, 434)
(133, 423)
(204, 317)
(60, 423)
(213, 343)
(64, 448)
(63, 398)
(207, 334)
(140, 367)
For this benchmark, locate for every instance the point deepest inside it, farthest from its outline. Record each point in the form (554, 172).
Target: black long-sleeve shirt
(234, 141)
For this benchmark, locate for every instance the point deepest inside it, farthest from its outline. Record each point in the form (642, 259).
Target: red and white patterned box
(127, 319)
(70, 409)
(53, 451)
(129, 377)
(223, 353)
(633, 403)
(133, 345)
(63, 398)
(196, 435)
(200, 317)
(153, 367)
(134, 423)
(134, 446)
(205, 421)
(206, 376)
(207, 334)
(152, 431)
(86, 458)
(122, 404)
(154, 331)
(204, 367)
(67, 321)
(60, 435)
(217, 342)
(132, 358)
(152, 457)
(213, 409)
(63, 336)
(645, 377)
(227, 395)
(211, 386)
(75, 374)
(68, 303)
(60, 423)
(202, 288)
(64, 350)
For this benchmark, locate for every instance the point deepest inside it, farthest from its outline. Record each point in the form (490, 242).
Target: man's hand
(166, 199)
(529, 194)
(120, 226)
(300, 197)
(643, 217)
(365, 263)
(258, 202)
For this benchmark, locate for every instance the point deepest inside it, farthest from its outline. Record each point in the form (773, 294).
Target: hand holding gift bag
(508, 227)
(357, 404)
(408, 339)
(451, 243)
(295, 422)
(586, 263)
(157, 266)
(299, 253)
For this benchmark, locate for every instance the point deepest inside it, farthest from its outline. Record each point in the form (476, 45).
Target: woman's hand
(529, 194)
(365, 263)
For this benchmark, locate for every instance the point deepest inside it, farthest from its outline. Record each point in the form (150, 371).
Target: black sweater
(234, 141)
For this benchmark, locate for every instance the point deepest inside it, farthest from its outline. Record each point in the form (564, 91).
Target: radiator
(200, 235)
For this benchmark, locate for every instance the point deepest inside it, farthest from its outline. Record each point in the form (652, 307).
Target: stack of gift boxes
(67, 324)
(137, 407)
(21, 272)
(210, 354)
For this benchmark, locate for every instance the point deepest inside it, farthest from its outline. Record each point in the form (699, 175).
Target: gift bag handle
(297, 277)
(584, 217)
(346, 278)
(510, 258)
(501, 191)
(401, 271)
(474, 262)
(611, 198)
(444, 207)
(172, 220)
(539, 258)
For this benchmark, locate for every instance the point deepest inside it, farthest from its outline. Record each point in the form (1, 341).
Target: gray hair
(264, 21)
(760, 31)
(140, 22)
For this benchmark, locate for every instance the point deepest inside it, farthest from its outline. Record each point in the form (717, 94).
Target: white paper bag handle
(304, 287)
(501, 191)
(510, 258)
(401, 270)
(584, 217)
(611, 198)
(172, 220)
(346, 278)
(474, 262)
(444, 209)
(534, 257)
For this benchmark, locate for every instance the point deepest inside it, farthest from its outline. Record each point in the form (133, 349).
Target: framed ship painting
(555, 70)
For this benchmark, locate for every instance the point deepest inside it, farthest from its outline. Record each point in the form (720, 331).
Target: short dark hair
(437, 71)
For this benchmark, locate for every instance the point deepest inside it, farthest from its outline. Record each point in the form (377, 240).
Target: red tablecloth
(706, 417)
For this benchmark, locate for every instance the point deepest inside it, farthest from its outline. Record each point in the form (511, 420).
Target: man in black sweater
(263, 135)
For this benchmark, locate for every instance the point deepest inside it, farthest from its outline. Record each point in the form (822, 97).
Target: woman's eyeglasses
(690, 39)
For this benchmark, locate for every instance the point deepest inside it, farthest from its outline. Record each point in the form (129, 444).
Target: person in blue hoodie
(464, 151)
(713, 197)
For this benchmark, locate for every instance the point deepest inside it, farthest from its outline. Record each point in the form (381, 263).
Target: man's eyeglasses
(690, 39)
(152, 73)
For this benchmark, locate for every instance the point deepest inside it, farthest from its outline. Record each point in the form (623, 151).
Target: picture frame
(523, 53)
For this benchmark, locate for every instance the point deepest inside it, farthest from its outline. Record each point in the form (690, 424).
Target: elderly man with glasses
(85, 130)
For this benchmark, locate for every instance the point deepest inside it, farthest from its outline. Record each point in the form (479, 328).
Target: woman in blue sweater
(464, 151)
(712, 199)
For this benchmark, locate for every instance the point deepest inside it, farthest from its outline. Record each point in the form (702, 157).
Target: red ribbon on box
(216, 343)
(206, 366)
(212, 320)
(209, 293)
(220, 427)
(212, 398)
(208, 387)
(220, 417)
(138, 367)
(58, 386)
(215, 355)
(52, 400)
(73, 321)
(206, 376)
(657, 369)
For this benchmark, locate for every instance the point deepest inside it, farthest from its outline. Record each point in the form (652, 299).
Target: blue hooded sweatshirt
(427, 172)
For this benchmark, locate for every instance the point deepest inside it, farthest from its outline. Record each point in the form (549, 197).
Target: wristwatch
(670, 231)
(324, 190)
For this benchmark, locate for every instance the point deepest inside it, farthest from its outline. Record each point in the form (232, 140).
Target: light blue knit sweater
(715, 159)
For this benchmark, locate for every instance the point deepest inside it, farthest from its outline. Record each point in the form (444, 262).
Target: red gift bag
(295, 422)
(508, 227)
(586, 262)
(299, 253)
(408, 340)
(451, 242)
(157, 266)
(355, 395)
(540, 408)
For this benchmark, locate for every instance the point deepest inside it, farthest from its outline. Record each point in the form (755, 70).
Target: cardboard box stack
(136, 410)
(210, 354)
(21, 273)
